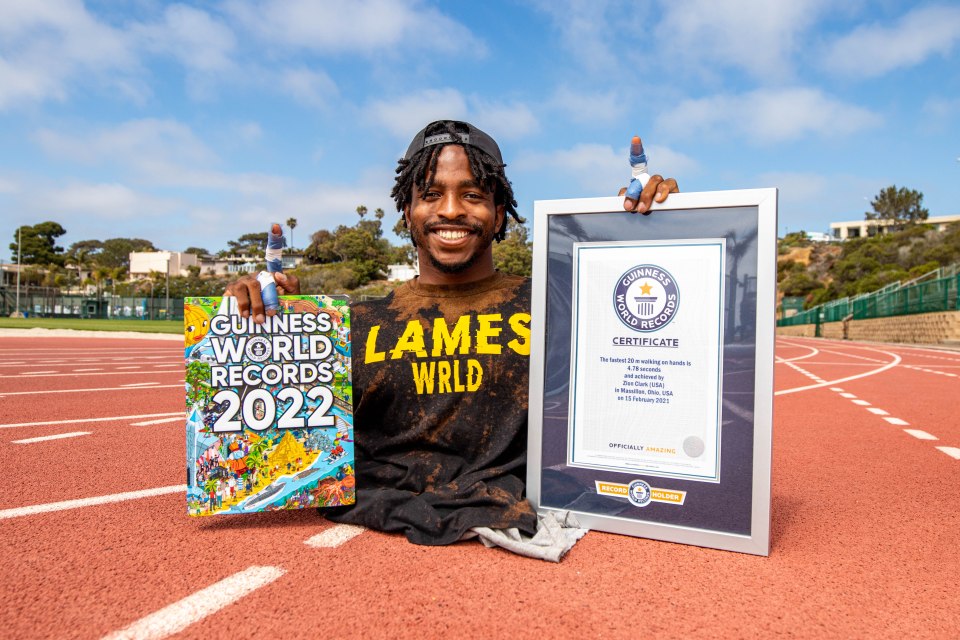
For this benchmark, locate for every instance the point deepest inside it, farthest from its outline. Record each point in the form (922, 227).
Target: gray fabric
(556, 534)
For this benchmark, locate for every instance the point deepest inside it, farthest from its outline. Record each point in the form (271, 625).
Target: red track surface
(865, 530)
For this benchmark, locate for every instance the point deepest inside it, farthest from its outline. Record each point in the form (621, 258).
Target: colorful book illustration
(269, 407)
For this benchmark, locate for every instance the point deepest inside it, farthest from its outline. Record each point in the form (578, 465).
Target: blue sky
(189, 124)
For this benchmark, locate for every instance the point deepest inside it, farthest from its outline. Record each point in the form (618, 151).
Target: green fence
(924, 295)
(50, 303)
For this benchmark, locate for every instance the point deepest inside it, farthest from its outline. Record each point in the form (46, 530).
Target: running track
(865, 532)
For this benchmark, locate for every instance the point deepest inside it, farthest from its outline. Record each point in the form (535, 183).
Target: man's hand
(247, 292)
(656, 190)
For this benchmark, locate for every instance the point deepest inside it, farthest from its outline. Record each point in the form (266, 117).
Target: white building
(402, 271)
(171, 263)
(870, 228)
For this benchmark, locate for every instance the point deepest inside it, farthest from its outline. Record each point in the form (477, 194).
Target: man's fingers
(256, 301)
(665, 188)
(239, 291)
(287, 285)
(649, 191)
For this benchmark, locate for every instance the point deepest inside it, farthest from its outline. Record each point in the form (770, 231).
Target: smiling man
(441, 364)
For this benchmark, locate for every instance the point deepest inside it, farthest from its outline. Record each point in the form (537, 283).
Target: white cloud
(797, 188)
(405, 115)
(875, 49)
(501, 120)
(758, 36)
(595, 107)
(46, 46)
(249, 131)
(767, 116)
(136, 143)
(8, 185)
(585, 31)
(601, 169)
(312, 88)
(361, 26)
(196, 40)
(160, 153)
(110, 201)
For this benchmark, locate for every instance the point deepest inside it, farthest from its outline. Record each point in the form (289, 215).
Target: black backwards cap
(470, 135)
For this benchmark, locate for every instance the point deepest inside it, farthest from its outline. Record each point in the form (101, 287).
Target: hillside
(822, 271)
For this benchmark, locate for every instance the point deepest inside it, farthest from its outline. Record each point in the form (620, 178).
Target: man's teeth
(452, 235)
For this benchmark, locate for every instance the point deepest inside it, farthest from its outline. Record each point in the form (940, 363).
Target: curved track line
(813, 351)
(890, 365)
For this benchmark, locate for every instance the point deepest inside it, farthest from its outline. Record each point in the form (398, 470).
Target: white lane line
(837, 389)
(334, 536)
(4, 394)
(82, 370)
(896, 361)
(140, 384)
(89, 502)
(813, 351)
(128, 367)
(176, 617)
(847, 395)
(921, 435)
(953, 452)
(71, 374)
(850, 355)
(862, 403)
(59, 436)
(879, 412)
(160, 421)
(897, 421)
(79, 420)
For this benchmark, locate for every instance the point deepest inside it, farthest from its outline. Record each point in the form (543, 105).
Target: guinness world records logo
(258, 349)
(639, 493)
(646, 298)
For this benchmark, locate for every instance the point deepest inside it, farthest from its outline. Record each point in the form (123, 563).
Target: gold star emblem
(645, 288)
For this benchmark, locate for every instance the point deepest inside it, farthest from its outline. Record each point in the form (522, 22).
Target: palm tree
(292, 223)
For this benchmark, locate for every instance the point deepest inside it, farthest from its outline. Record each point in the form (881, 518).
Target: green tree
(197, 251)
(116, 251)
(320, 250)
(39, 243)
(903, 206)
(111, 254)
(292, 224)
(249, 243)
(514, 254)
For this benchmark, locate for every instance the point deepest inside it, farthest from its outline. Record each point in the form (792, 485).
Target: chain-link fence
(924, 295)
(49, 302)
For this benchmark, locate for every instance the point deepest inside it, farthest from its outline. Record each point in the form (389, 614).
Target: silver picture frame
(730, 512)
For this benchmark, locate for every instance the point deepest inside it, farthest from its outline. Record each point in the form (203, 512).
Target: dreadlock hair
(412, 174)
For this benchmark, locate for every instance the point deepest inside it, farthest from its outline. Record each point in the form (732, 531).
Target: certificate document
(647, 332)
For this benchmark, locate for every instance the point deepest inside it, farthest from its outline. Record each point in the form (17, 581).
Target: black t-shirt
(440, 400)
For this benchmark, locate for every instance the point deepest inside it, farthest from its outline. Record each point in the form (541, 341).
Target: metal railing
(926, 294)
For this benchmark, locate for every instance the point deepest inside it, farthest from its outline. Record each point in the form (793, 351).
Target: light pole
(166, 313)
(19, 248)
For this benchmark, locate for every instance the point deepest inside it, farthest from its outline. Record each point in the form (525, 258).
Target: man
(441, 364)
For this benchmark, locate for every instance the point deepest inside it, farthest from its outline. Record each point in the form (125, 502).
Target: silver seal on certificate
(645, 379)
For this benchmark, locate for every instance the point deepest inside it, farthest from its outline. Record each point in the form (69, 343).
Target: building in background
(173, 263)
(870, 228)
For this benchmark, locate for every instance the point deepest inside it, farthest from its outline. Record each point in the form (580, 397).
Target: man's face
(453, 223)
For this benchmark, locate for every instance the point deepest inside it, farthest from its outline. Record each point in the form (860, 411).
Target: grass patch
(94, 324)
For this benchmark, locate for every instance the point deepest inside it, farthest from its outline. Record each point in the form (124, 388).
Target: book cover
(269, 407)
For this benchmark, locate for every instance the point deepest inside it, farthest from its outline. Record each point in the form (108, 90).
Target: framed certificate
(651, 366)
